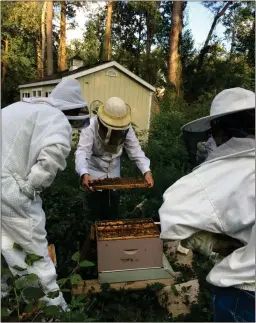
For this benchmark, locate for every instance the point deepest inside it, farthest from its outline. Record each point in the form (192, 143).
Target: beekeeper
(98, 156)
(218, 198)
(36, 141)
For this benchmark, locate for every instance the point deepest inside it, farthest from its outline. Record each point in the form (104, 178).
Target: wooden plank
(94, 285)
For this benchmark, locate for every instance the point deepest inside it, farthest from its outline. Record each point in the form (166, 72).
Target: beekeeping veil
(66, 97)
(198, 133)
(114, 122)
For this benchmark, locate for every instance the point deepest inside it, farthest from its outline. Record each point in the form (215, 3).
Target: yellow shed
(100, 82)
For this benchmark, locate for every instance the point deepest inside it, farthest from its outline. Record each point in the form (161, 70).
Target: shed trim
(24, 86)
(107, 65)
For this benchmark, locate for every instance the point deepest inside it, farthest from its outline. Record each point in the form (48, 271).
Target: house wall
(42, 88)
(101, 86)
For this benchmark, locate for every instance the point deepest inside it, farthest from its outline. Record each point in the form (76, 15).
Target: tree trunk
(3, 60)
(175, 69)
(49, 38)
(107, 40)
(62, 49)
(149, 34)
(42, 65)
(39, 56)
(205, 48)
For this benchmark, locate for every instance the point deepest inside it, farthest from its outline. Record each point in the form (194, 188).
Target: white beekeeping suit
(218, 197)
(36, 141)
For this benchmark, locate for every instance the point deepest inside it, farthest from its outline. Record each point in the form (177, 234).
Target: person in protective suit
(35, 144)
(98, 156)
(216, 202)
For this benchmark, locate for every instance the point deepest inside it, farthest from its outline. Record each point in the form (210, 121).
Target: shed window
(26, 95)
(37, 93)
(47, 93)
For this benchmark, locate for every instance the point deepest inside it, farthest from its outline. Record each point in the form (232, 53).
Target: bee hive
(128, 244)
(119, 183)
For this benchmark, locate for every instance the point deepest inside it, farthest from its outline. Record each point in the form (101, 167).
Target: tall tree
(4, 59)
(220, 11)
(41, 65)
(106, 52)
(175, 68)
(62, 64)
(49, 38)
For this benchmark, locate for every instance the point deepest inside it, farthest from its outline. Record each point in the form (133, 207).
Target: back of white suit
(36, 140)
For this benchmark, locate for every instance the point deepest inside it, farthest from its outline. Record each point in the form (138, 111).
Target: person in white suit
(98, 153)
(36, 140)
(218, 198)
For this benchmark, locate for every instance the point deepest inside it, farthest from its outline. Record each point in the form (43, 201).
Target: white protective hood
(66, 96)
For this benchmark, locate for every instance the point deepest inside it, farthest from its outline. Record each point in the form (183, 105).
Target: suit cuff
(83, 171)
(145, 170)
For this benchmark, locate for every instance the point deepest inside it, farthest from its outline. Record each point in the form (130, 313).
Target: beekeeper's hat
(115, 114)
(226, 102)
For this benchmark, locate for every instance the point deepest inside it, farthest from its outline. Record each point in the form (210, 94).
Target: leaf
(4, 312)
(33, 293)
(65, 290)
(31, 277)
(17, 246)
(31, 258)
(80, 298)
(76, 256)
(86, 263)
(53, 294)
(23, 281)
(52, 310)
(18, 268)
(20, 283)
(75, 279)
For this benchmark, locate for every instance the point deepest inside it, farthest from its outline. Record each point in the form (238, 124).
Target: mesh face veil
(112, 140)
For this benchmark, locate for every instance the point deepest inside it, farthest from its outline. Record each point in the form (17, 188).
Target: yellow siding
(99, 86)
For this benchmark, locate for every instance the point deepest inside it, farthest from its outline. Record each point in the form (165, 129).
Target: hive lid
(126, 229)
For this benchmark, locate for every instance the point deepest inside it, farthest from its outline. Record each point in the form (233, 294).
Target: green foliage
(23, 300)
(31, 258)
(17, 246)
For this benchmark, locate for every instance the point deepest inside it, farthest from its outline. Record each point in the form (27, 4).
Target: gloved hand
(206, 243)
(25, 187)
(201, 242)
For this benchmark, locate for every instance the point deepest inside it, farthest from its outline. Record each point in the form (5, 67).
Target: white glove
(202, 242)
(25, 187)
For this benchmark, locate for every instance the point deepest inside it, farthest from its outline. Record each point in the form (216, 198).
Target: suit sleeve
(187, 210)
(135, 152)
(54, 149)
(84, 150)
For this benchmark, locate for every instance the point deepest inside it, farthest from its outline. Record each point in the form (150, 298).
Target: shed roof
(82, 71)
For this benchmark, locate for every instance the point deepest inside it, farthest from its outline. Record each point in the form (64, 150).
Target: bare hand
(149, 179)
(86, 180)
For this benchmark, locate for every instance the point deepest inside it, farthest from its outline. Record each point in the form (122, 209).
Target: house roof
(82, 71)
